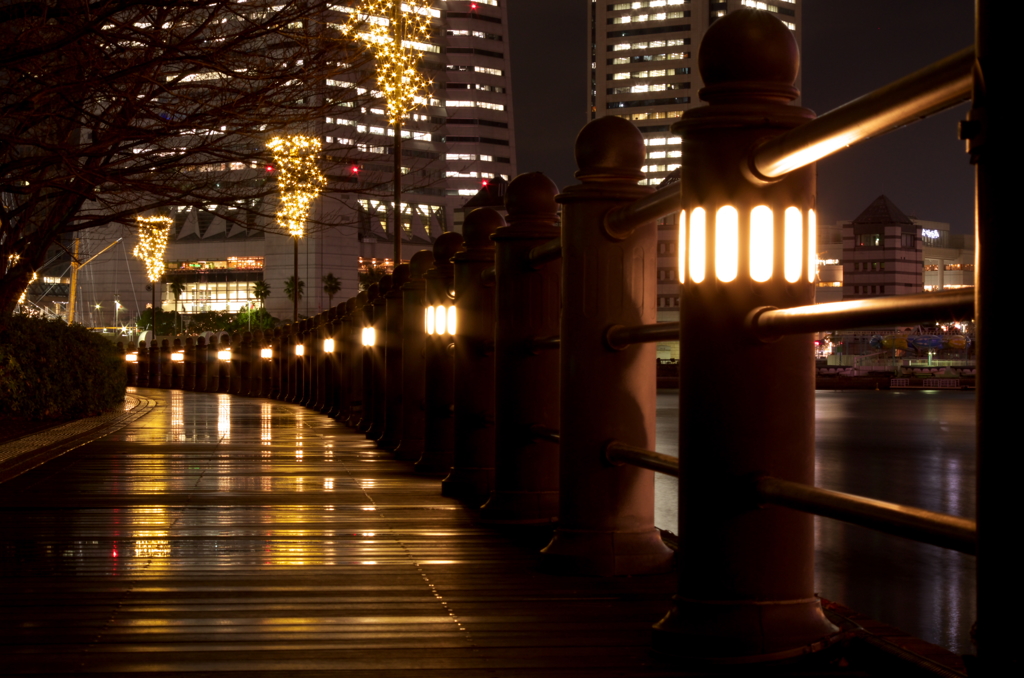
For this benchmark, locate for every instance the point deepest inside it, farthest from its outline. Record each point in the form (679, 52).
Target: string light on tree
(153, 233)
(299, 179)
(393, 29)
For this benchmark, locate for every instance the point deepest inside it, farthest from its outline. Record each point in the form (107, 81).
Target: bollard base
(471, 484)
(388, 442)
(743, 632)
(434, 463)
(520, 508)
(409, 450)
(606, 553)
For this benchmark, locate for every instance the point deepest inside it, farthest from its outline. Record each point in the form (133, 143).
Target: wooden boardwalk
(224, 534)
(212, 534)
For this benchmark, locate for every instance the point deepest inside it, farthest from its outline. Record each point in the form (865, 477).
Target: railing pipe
(619, 337)
(619, 453)
(622, 221)
(939, 529)
(770, 323)
(545, 433)
(545, 344)
(941, 85)
(542, 254)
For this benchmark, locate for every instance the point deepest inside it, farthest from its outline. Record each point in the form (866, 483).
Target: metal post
(606, 512)
(166, 367)
(392, 348)
(295, 281)
(526, 382)
(257, 364)
(472, 474)
(439, 425)
(339, 384)
(272, 384)
(200, 365)
(414, 337)
(992, 131)
(154, 363)
(746, 573)
(226, 367)
(240, 363)
(177, 368)
(377, 356)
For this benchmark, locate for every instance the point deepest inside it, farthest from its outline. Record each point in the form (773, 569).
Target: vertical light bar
(440, 315)
(794, 244)
(698, 244)
(451, 320)
(762, 250)
(727, 243)
(682, 246)
(812, 245)
(430, 319)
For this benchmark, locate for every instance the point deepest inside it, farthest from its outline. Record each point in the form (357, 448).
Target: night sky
(849, 48)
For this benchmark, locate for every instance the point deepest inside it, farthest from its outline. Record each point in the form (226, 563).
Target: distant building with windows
(461, 140)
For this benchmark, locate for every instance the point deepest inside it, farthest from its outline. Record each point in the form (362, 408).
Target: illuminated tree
(153, 233)
(393, 29)
(111, 108)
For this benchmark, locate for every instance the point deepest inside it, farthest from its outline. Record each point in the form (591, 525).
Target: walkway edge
(28, 452)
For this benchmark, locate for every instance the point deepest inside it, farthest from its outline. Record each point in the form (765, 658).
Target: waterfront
(910, 447)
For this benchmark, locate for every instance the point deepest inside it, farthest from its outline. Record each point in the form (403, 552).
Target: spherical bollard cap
(372, 292)
(200, 341)
(165, 344)
(177, 342)
(384, 285)
(749, 45)
(361, 298)
(189, 342)
(480, 224)
(610, 148)
(420, 263)
(445, 247)
(350, 305)
(400, 276)
(531, 196)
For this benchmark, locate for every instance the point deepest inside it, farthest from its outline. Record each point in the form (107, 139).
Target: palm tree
(331, 287)
(176, 287)
(289, 288)
(261, 290)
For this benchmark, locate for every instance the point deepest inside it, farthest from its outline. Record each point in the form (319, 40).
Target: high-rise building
(643, 67)
(458, 140)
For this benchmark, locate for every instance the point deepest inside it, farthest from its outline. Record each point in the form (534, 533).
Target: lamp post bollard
(256, 364)
(131, 366)
(356, 360)
(746, 575)
(378, 367)
(280, 381)
(212, 366)
(154, 363)
(142, 364)
(290, 364)
(392, 347)
(202, 365)
(225, 363)
(606, 512)
(366, 362)
(526, 381)
(338, 393)
(410, 447)
(177, 364)
(310, 335)
(239, 363)
(298, 371)
(325, 376)
(188, 381)
(472, 472)
(439, 422)
(166, 365)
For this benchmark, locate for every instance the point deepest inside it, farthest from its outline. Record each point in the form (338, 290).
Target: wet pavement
(212, 533)
(229, 534)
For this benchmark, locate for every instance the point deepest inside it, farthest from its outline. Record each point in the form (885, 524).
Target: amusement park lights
(299, 179)
(153, 232)
(394, 29)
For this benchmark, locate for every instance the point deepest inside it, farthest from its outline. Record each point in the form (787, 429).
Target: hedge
(50, 370)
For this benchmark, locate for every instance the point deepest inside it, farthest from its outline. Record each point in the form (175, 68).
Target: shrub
(50, 370)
